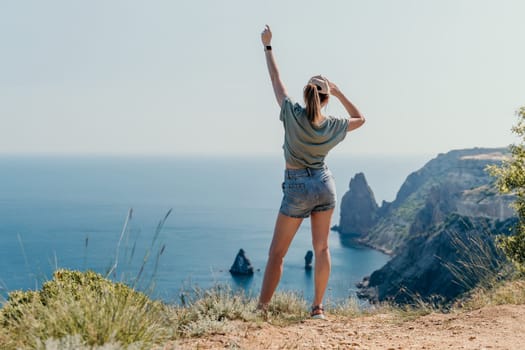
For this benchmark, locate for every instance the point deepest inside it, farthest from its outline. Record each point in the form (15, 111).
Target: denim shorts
(307, 190)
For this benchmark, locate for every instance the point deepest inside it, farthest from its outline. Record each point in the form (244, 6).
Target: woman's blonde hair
(313, 100)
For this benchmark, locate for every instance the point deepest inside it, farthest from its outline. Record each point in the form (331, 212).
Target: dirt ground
(496, 327)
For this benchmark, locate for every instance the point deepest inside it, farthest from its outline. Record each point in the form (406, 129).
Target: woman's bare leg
(284, 232)
(320, 231)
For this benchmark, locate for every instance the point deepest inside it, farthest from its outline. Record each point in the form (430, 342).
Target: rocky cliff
(456, 180)
(440, 225)
(439, 264)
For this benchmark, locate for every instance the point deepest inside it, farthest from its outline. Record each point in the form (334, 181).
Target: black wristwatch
(268, 48)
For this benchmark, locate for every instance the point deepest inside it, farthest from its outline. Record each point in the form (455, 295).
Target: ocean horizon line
(201, 155)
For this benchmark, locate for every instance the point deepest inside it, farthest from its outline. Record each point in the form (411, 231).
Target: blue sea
(71, 212)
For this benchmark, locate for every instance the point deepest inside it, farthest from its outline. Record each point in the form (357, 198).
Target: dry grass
(507, 292)
(208, 311)
(349, 308)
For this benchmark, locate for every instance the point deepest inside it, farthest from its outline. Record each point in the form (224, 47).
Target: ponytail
(313, 100)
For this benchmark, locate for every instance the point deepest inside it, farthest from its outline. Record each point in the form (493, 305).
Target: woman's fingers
(333, 87)
(266, 35)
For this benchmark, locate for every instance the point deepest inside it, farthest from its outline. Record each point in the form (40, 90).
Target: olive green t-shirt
(306, 145)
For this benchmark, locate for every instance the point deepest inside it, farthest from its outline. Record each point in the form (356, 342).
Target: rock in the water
(308, 260)
(242, 265)
(358, 207)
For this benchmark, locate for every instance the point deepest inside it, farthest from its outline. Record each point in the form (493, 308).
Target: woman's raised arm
(278, 87)
(356, 118)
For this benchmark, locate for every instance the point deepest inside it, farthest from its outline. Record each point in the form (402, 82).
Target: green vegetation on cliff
(511, 179)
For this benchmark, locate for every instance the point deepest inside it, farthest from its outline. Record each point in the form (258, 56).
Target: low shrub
(86, 305)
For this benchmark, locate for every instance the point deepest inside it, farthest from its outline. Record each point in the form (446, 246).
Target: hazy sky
(185, 77)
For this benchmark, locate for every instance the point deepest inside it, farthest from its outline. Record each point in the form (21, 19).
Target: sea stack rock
(308, 260)
(242, 265)
(358, 207)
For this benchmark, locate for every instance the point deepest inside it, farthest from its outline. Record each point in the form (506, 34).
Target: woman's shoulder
(291, 102)
(289, 106)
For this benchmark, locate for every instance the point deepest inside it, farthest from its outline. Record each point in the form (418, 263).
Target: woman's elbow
(356, 122)
(359, 120)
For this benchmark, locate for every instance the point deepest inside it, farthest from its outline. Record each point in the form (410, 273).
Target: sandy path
(497, 327)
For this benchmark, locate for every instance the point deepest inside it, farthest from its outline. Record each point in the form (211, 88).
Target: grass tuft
(287, 307)
(207, 311)
(501, 293)
(348, 308)
(86, 305)
(483, 264)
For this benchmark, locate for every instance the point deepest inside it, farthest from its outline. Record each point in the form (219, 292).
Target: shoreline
(359, 241)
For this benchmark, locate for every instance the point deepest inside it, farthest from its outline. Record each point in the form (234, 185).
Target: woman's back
(306, 144)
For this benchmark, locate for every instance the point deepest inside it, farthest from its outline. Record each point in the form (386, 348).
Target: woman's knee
(276, 254)
(320, 247)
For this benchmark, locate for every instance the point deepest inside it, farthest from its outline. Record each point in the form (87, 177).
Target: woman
(309, 188)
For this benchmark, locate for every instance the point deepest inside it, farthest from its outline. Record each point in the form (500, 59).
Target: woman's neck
(319, 120)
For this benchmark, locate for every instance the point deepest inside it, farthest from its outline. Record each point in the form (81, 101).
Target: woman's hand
(334, 89)
(266, 36)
